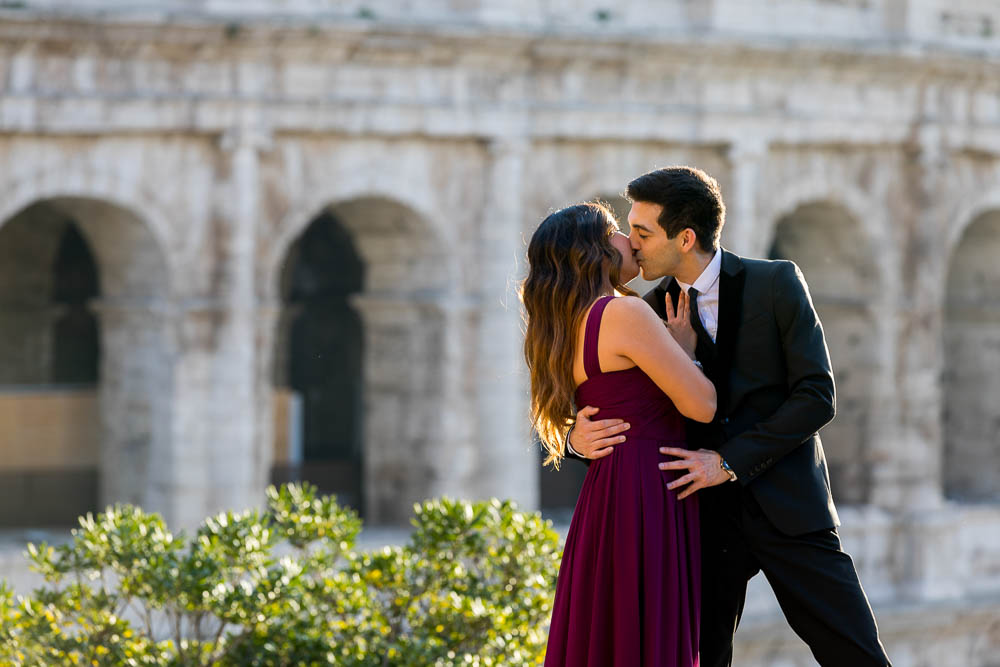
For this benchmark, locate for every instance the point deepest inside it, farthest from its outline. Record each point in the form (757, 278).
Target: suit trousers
(813, 579)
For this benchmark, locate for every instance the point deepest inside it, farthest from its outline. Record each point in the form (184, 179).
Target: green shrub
(285, 587)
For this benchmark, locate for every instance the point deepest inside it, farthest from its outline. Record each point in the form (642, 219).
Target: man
(759, 470)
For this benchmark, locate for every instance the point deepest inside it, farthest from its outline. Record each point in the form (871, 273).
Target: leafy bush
(285, 587)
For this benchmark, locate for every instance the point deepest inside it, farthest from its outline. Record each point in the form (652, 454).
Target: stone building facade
(243, 240)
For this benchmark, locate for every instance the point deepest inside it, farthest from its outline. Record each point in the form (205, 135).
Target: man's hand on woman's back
(595, 438)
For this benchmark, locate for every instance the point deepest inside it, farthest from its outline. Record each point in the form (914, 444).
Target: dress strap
(591, 362)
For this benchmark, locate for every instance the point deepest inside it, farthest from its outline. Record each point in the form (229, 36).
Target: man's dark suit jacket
(771, 369)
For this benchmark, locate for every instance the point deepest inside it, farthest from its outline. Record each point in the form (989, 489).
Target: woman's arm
(632, 330)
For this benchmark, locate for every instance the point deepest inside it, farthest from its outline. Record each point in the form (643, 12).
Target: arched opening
(360, 357)
(76, 340)
(49, 358)
(823, 239)
(80, 395)
(321, 365)
(971, 376)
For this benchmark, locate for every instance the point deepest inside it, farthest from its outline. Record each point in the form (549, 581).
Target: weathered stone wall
(971, 374)
(49, 456)
(193, 142)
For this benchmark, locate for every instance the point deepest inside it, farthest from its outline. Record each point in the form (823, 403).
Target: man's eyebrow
(640, 226)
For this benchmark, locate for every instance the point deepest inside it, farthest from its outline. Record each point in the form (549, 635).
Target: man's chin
(649, 275)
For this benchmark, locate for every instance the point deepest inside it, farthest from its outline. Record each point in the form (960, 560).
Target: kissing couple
(697, 409)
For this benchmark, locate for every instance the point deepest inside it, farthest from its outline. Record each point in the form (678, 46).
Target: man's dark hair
(689, 197)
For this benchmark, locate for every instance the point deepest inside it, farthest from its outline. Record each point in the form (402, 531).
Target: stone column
(238, 460)
(215, 426)
(419, 424)
(741, 233)
(402, 401)
(908, 479)
(137, 461)
(460, 446)
(929, 558)
(906, 473)
(233, 457)
(267, 323)
(509, 460)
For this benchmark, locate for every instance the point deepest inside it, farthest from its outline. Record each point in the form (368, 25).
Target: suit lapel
(731, 281)
(656, 296)
(674, 290)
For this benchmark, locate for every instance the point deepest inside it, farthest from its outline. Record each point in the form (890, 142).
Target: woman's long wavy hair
(570, 257)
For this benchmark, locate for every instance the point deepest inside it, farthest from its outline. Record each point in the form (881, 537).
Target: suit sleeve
(655, 299)
(570, 454)
(811, 401)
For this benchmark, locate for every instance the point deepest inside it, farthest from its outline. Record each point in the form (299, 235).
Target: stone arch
(401, 305)
(127, 423)
(971, 370)
(88, 184)
(318, 362)
(866, 214)
(420, 215)
(968, 215)
(846, 286)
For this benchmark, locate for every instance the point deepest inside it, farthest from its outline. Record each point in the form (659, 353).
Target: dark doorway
(75, 340)
(49, 370)
(559, 489)
(322, 363)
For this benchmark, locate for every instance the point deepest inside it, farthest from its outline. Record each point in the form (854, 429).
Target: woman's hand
(679, 323)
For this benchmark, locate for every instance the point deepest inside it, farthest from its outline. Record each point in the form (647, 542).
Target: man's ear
(689, 240)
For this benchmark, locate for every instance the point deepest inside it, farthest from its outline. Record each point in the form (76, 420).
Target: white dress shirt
(707, 285)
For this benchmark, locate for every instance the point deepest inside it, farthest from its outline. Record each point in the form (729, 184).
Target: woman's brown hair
(569, 258)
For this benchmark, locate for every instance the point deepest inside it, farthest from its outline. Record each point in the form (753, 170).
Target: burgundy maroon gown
(629, 583)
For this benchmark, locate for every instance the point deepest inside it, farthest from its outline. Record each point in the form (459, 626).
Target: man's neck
(699, 261)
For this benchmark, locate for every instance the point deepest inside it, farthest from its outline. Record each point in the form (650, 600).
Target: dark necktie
(706, 346)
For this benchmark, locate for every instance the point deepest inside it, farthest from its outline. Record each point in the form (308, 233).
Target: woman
(628, 592)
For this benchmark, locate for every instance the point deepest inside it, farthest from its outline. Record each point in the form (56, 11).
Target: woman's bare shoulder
(629, 308)
(628, 316)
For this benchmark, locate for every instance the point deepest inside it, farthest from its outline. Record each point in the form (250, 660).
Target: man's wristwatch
(729, 471)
